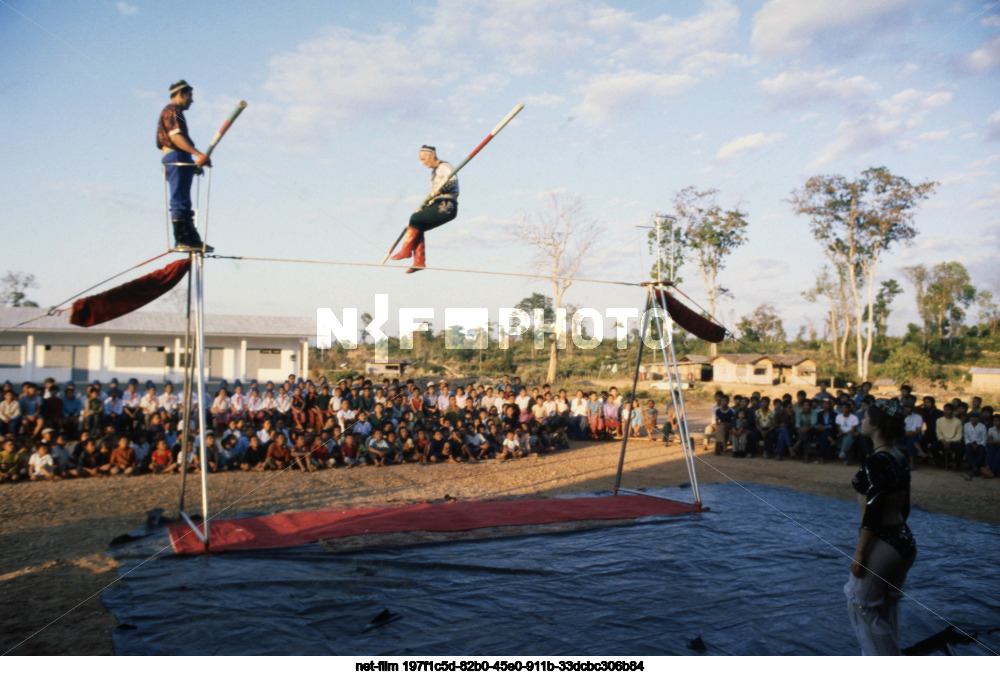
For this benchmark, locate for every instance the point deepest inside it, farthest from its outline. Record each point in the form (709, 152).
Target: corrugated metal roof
(161, 322)
(694, 358)
(985, 371)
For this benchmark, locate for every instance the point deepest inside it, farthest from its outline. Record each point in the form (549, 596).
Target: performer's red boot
(409, 240)
(419, 258)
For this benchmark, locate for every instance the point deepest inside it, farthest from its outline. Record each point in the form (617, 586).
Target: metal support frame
(665, 328)
(194, 373)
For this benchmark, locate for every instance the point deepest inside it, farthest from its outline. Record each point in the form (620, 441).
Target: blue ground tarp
(743, 577)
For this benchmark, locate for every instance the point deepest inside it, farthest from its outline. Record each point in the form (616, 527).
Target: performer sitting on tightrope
(439, 208)
(172, 138)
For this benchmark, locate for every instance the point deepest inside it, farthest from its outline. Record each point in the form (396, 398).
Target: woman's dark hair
(888, 416)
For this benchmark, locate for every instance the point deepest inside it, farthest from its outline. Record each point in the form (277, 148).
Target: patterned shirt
(438, 177)
(171, 122)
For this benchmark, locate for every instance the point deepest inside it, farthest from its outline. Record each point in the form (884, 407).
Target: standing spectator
(649, 414)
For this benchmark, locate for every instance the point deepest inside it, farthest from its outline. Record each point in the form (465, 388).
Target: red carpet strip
(292, 529)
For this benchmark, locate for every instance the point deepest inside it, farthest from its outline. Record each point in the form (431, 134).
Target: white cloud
(804, 88)
(934, 136)
(609, 93)
(984, 58)
(544, 100)
(666, 39)
(711, 63)
(126, 8)
(763, 269)
(990, 200)
(960, 178)
(745, 144)
(991, 21)
(993, 125)
(791, 26)
(858, 136)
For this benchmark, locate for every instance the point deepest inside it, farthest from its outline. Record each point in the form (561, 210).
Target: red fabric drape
(690, 320)
(128, 297)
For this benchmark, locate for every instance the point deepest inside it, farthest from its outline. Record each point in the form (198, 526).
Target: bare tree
(560, 236)
(712, 233)
(857, 222)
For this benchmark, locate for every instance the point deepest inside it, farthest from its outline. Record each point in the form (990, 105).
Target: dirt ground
(54, 536)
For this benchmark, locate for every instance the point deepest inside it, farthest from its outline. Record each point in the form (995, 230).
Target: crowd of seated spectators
(48, 434)
(959, 435)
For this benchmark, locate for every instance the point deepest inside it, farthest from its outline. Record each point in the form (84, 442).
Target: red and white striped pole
(496, 130)
(225, 127)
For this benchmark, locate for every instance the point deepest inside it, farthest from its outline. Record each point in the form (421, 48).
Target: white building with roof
(985, 379)
(150, 346)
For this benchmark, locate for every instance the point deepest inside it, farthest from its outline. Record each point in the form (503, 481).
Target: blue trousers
(784, 442)
(179, 179)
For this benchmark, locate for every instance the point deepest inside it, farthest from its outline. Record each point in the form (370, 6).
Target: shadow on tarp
(742, 577)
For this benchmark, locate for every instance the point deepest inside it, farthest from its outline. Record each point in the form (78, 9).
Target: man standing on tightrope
(177, 147)
(441, 208)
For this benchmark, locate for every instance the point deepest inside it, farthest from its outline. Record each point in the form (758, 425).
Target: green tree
(712, 233)
(537, 301)
(666, 241)
(989, 313)
(857, 223)
(917, 275)
(15, 286)
(889, 290)
(949, 294)
(764, 324)
(907, 361)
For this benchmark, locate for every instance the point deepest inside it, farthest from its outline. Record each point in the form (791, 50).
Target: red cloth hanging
(690, 320)
(128, 297)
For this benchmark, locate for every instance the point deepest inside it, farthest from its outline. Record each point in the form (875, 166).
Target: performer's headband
(178, 86)
(428, 148)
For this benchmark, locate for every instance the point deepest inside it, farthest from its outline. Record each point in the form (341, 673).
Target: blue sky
(626, 103)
